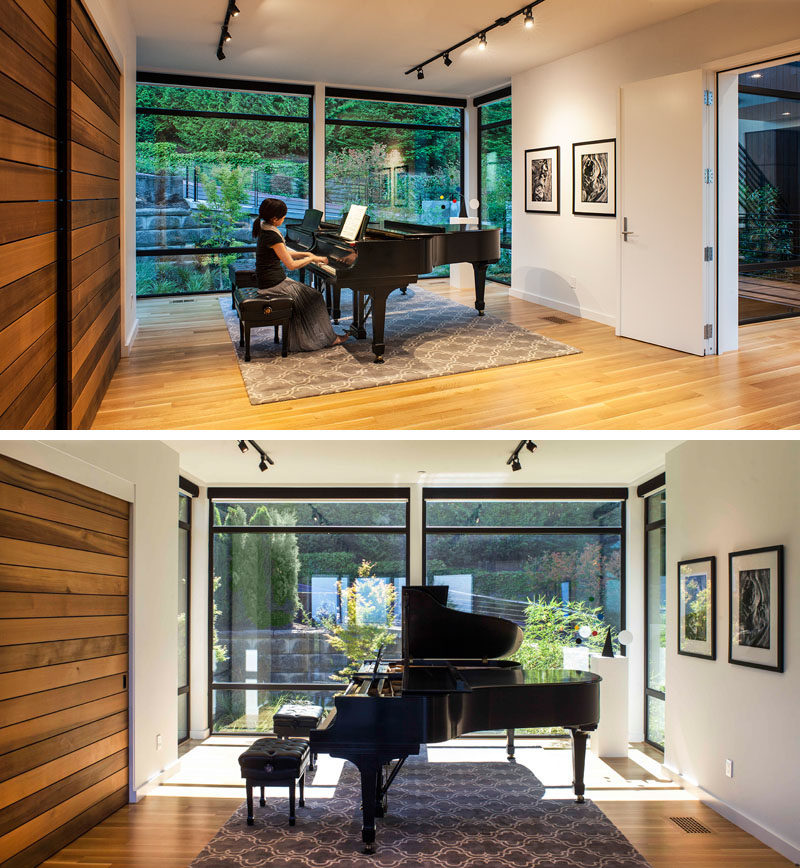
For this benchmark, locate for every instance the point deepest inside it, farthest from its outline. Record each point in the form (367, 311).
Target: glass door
(655, 616)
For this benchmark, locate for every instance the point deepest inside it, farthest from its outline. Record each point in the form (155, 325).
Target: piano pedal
(369, 849)
(580, 800)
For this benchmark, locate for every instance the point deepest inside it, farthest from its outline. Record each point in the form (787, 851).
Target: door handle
(625, 231)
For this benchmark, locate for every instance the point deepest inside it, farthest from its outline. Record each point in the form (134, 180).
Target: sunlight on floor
(211, 769)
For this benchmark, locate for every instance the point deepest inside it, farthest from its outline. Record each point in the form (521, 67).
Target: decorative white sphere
(585, 632)
(625, 637)
(474, 203)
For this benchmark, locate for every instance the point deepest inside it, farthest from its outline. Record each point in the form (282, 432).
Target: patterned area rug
(445, 815)
(426, 336)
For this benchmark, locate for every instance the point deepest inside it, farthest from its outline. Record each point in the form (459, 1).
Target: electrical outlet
(729, 768)
(159, 741)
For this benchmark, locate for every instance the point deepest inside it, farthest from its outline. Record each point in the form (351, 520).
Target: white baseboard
(753, 827)
(127, 344)
(574, 309)
(148, 786)
(199, 734)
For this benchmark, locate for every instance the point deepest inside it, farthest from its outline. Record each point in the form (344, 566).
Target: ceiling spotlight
(262, 465)
(787, 114)
(513, 459)
(529, 18)
(243, 447)
(233, 10)
(482, 42)
(220, 54)
(515, 464)
(226, 35)
(420, 73)
(530, 446)
(447, 59)
(756, 75)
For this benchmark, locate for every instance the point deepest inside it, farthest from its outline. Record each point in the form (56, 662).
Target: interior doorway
(769, 191)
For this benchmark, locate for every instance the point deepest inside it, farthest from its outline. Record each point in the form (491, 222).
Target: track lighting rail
(526, 10)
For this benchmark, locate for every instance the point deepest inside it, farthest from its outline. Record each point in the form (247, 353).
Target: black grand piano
(391, 257)
(448, 684)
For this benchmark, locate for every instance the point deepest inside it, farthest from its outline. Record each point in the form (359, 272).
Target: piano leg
(378, 325)
(510, 744)
(480, 285)
(336, 303)
(578, 762)
(370, 770)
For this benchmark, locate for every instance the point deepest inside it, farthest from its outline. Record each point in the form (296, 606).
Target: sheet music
(352, 224)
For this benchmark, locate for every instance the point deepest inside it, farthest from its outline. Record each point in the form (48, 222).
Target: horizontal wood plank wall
(28, 214)
(63, 661)
(95, 312)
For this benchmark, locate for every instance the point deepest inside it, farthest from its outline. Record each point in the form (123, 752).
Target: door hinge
(708, 176)
(708, 254)
(708, 97)
(708, 331)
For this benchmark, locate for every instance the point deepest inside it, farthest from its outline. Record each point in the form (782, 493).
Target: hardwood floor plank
(182, 373)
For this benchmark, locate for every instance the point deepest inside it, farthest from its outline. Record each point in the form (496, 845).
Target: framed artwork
(697, 608)
(594, 173)
(543, 180)
(755, 637)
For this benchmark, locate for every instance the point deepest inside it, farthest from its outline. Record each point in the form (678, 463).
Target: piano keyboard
(328, 269)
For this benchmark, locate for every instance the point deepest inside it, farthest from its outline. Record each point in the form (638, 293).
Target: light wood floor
(182, 373)
(168, 829)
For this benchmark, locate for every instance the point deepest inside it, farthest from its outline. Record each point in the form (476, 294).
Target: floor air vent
(181, 300)
(555, 319)
(689, 824)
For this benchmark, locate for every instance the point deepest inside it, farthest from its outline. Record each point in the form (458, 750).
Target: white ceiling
(323, 459)
(371, 44)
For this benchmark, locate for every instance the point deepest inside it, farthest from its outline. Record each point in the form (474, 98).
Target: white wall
(723, 497)
(144, 472)
(114, 22)
(575, 99)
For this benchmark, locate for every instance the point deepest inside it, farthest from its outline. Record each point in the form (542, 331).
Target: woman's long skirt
(310, 324)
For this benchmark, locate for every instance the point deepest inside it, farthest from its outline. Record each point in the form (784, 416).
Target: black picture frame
(594, 178)
(690, 644)
(543, 196)
(759, 605)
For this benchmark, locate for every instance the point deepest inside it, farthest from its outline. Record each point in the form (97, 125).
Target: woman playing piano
(309, 326)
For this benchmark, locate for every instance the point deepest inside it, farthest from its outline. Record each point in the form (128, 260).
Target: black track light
(513, 459)
(220, 54)
(530, 446)
(226, 35)
(262, 465)
(243, 447)
(233, 9)
(264, 460)
(515, 464)
(525, 11)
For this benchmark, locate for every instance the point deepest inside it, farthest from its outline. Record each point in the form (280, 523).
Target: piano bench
(273, 761)
(256, 310)
(296, 721)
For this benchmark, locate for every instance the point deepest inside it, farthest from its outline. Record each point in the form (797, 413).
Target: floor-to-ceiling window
(205, 158)
(655, 548)
(185, 494)
(500, 549)
(404, 159)
(494, 191)
(304, 585)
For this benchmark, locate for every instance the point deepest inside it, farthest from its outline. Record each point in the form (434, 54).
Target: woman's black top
(269, 269)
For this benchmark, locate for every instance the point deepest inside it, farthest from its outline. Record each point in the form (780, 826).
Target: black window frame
(548, 494)
(229, 84)
(189, 490)
(406, 98)
(285, 495)
(480, 103)
(646, 490)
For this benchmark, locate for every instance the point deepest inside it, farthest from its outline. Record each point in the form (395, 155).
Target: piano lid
(432, 631)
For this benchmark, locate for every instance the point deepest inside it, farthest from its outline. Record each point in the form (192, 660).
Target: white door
(667, 286)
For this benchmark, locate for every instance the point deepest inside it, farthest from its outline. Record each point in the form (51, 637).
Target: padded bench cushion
(298, 716)
(273, 754)
(252, 306)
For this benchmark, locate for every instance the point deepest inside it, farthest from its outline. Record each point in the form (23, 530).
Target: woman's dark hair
(270, 209)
